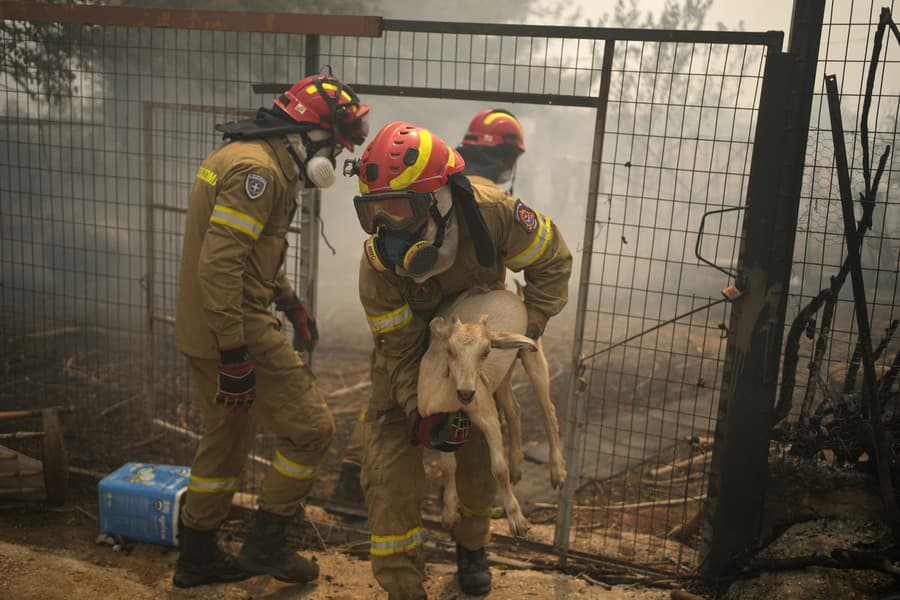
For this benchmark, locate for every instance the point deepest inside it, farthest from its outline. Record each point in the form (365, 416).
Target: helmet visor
(357, 130)
(394, 210)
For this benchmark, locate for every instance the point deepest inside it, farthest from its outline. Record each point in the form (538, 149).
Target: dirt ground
(52, 553)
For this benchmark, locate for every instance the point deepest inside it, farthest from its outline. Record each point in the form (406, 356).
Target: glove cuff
(287, 304)
(234, 354)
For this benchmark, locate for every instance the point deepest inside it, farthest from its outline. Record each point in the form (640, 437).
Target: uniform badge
(526, 217)
(255, 185)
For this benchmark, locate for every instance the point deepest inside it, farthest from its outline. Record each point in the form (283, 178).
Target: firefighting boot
(347, 490)
(267, 551)
(472, 572)
(201, 561)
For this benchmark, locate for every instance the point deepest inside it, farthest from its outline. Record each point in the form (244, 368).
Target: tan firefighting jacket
(399, 310)
(241, 205)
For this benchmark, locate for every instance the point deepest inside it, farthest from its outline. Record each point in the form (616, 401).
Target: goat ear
(505, 340)
(439, 327)
(483, 320)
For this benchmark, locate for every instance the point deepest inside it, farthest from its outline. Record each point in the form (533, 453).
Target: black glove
(306, 332)
(237, 381)
(446, 432)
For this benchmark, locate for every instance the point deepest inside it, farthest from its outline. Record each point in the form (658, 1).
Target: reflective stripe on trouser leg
(477, 489)
(216, 469)
(289, 404)
(393, 479)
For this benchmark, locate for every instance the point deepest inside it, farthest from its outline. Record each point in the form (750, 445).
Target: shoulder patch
(526, 217)
(255, 185)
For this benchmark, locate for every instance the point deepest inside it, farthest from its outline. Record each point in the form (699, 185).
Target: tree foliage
(42, 58)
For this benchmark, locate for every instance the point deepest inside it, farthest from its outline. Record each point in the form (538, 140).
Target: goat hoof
(557, 478)
(515, 476)
(519, 527)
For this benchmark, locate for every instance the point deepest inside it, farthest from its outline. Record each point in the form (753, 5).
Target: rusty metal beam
(365, 89)
(129, 16)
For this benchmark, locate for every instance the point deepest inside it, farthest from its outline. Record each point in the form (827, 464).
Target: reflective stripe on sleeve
(385, 545)
(236, 220)
(211, 485)
(291, 469)
(535, 249)
(391, 321)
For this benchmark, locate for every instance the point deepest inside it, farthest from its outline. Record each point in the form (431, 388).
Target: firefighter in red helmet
(244, 370)
(433, 233)
(491, 146)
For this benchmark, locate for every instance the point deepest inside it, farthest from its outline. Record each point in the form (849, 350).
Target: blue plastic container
(142, 501)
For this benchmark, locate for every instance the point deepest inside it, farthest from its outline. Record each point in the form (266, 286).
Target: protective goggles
(395, 210)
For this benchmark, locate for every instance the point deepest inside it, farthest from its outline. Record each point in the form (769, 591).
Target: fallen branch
(198, 437)
(649, 503)
(118, 404)
(348, 390)
(657, 471)
(144, 442)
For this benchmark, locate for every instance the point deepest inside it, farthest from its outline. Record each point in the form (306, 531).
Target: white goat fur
(459, 361)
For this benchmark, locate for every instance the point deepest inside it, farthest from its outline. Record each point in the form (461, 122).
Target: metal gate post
(575, 407)
(150, 378)
(739, 469)
(310, 212)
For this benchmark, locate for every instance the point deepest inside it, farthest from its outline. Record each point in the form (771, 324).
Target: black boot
(267, 551)
(201, 561)
(472, 573)
(347, 490)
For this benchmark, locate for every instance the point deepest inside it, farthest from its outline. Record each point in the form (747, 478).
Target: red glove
(446, 432)
(306, 333)
(237, 381)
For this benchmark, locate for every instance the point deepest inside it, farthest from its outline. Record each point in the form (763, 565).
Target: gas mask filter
(318, 170)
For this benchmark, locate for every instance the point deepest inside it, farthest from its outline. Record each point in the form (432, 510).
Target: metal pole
(311, 206)
(150, 265)
(739, 469)
(575, 404)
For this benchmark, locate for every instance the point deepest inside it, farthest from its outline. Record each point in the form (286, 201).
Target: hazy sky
(758, 15)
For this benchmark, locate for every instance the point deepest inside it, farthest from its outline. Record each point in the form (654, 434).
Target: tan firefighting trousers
(353, 450)
(288, 404)
(393, 478)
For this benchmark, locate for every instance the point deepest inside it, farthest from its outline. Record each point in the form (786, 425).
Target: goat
(460, 372)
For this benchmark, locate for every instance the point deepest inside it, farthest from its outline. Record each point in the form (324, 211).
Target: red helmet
(323, 101)
(493, 127)
(402, 156)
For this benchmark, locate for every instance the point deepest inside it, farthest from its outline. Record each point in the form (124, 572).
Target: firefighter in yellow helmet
(244, 370)
(492, 144)
(434, 234)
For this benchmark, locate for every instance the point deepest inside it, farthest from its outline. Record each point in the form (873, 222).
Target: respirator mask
(415, 234)
(314, 153)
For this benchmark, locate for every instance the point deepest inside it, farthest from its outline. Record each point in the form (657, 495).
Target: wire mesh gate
(675, 115)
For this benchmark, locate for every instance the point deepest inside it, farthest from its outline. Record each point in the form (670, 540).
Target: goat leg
(450, 512)
(535, 364)
(489, 424)
(509, 406)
